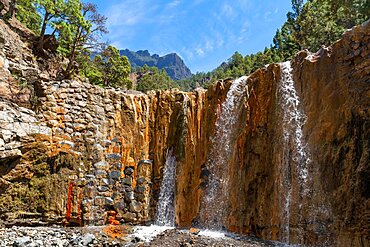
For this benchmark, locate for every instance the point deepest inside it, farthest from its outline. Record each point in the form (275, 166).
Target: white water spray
(295, 152)
(215, 203)
(165, 206)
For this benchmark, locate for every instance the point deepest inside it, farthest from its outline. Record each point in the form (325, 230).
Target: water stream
(215, 202)
(165, 207)
(295, 156)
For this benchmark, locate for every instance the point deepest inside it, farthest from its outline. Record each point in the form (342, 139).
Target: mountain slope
(172, 63)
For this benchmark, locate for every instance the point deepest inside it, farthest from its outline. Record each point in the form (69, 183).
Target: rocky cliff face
(172, 63)
(291, 163)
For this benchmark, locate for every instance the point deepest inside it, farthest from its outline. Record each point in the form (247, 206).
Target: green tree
(83, 36)
(108, 69)
(60, 16)
(150, 78)
(27, 14)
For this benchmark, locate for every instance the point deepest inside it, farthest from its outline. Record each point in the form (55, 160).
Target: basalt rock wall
(331, 206)
(334, 85)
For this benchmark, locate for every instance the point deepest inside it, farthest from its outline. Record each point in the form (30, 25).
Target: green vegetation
(108, 69)
(26, 13)
(34, 195)
(76, 31)
(150, 78)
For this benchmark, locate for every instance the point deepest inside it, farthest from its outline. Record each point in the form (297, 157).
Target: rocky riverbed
(120, 236)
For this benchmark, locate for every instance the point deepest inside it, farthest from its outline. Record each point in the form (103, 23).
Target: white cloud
(267, 16)
(199, 51)
(173, 4)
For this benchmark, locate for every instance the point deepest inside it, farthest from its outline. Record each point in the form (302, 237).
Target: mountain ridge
(172, 63)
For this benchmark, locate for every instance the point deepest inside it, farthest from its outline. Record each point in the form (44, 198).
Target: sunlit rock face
(299, 163)
(282, 154)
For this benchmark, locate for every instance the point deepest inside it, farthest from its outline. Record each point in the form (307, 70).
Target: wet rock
(194, 231)
(22, 242)
(87, 239)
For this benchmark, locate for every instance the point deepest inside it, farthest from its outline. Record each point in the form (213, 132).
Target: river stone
(117, 166)
(22, 242)
(129, 196)
(121, 205)
(90, 177)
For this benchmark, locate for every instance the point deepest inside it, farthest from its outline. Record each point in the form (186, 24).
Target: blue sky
(203, 32)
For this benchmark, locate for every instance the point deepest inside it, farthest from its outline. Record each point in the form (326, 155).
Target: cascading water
(295, 156)
(165, 206)
(215, 202)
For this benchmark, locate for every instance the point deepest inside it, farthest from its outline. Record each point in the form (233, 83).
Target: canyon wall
(87, 155)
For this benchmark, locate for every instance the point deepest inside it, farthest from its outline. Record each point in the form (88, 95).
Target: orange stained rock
(114, 231)
(69, 201)
(112, 218)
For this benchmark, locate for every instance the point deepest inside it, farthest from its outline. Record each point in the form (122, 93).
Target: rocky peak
(172, 63)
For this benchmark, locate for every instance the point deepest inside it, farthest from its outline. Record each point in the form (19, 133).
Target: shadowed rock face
(113, 145)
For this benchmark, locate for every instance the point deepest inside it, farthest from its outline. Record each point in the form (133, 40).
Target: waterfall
(165, 206)
(295, 156)
(215, 202)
